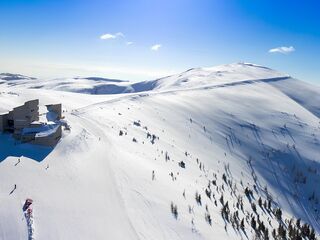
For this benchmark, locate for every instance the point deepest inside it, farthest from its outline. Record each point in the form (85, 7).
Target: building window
(10, 123)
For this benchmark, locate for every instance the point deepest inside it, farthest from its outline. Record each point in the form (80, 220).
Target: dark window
(10, 123)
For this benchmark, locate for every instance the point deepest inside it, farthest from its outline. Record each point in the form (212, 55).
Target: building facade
(23, 123)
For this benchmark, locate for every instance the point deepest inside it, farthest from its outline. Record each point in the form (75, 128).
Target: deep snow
(257, 126)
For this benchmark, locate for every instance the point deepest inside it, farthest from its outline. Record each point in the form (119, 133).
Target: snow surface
(42, 131)
(256, 125)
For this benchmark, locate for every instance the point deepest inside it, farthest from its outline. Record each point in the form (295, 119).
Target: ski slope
(116, 173)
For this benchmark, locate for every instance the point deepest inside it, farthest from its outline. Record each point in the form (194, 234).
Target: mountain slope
(305, 94)
(118, 173)
(193, 78)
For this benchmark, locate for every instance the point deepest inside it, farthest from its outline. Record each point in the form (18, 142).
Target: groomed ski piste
(228, 152)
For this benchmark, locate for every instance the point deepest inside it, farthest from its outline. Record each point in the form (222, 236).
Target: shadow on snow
(9, 147)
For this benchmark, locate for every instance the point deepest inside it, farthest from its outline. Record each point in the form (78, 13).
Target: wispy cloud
(108, 36)
(283, 50)
(155, 47)
(129, 43)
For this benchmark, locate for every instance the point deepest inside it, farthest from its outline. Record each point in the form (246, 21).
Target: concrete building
(20, 117)
(23, 123)
(56, 109)
(48, 134)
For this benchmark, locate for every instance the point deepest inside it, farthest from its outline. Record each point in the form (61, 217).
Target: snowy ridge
(187, 80)
(217, 75)
(14, 77)
(230, 152)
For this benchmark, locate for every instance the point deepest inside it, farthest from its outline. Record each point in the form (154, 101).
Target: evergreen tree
(253, 223)
(260, 202)
(174, 210)
(254, 208)
(278, 214)
(282, 232)
(208, 219)
(242, 224)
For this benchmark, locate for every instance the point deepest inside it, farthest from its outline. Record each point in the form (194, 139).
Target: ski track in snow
(99, 183)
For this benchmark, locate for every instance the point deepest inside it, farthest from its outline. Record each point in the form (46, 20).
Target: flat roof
(41, 131)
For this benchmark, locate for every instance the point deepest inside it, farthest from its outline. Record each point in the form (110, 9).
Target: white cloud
(283, 50)
(111, 36)
(120, 34)
(107, 36)
(129, 43)
(155, 47)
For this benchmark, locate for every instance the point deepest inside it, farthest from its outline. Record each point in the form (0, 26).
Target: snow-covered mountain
(14, 77)
(193, 78)
(229, 152)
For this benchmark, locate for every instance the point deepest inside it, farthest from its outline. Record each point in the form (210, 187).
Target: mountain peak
(227, 73)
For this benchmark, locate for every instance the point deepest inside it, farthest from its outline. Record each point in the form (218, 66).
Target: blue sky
(144, 39)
